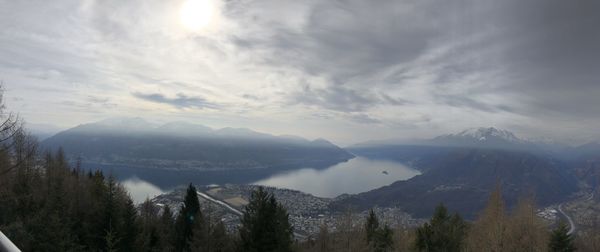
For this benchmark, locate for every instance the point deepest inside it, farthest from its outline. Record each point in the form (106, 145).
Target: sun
(196, 15)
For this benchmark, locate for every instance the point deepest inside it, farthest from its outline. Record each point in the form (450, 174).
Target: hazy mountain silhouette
(179, 145)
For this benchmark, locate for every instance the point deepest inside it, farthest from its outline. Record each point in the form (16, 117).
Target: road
(219, 202)
(235, 211)
(571, 222)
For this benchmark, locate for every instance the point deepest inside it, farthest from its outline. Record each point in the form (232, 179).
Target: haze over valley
(460, 169)
(300, 126)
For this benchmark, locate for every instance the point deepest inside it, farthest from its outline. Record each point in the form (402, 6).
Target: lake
(354, 176)
(140, 190)
(357, 175)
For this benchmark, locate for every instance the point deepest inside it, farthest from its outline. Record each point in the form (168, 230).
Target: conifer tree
(111, 240)
(129, 227)
(200, 239)
(96, 228)
(188, 215)
(111, 216)
(383, 240)
(561, 240)
(378, 238)
(265, 225)
(219, 238)
(166, 227)
(371, 226)
(148, 237)
(443, 232)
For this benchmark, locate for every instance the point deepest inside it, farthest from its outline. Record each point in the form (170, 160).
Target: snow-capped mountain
(483, 137)
(484, 134)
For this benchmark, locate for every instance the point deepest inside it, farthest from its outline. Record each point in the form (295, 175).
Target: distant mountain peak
(485, 137)
(240, 132)
(126, 122)
(483, 134)
(184, 128)
(321, 140)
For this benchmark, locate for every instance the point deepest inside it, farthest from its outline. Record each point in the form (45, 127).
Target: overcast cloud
(348, 71)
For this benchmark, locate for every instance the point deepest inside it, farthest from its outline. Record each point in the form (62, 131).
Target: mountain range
(186, 146)
(461, 169)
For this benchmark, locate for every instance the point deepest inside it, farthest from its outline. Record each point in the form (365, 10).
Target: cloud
(411, 67)
(179, 101)
(364, 119)
(467, 102)
(341, 99)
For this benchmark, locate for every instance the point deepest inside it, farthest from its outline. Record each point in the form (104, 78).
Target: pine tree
(166, 227)
(200, 239)
(383, 239)
(95, 225)
(188, 215)
(111, 240)
(378, 238)
(129, 227)
(265, 225)
(111, 217)
(442, 233)
(219, 238)
(371, 226)
(148, 237)
(561, 240)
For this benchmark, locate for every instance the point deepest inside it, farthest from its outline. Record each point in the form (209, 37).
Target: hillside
(184, 146)
(463, 178)
(461, 169)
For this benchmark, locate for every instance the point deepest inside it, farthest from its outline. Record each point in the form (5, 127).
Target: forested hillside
(183, 146)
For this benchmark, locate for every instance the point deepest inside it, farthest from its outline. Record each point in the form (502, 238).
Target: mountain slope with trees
(460, 173)
(137, 143)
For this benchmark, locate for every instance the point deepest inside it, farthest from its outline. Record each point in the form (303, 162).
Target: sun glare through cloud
(196, 15)
(198, 125)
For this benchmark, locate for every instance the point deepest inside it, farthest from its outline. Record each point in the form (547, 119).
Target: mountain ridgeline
(185, 146)
(462, 169)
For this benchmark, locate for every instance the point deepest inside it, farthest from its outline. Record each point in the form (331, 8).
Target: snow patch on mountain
(483, 134)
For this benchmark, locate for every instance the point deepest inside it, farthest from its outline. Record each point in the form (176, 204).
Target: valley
(410, 179)
(307, 212)
(300, 126)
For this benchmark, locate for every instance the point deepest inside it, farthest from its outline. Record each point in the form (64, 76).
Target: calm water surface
(140, 190)
(354, 176)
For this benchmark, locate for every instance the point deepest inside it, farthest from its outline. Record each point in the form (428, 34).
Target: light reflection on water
(357, 175)
(354, 176)
(139, 189)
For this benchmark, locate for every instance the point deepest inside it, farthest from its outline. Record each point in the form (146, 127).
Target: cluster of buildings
(307, 212)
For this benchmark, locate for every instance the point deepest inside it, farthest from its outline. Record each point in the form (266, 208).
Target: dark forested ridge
(182, 146)
(461, 169)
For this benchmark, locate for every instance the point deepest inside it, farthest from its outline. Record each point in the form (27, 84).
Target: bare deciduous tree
(14, 141)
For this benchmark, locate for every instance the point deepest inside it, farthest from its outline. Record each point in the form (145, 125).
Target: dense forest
(47, 204)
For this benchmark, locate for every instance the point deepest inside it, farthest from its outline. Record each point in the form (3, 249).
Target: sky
(348, 71)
